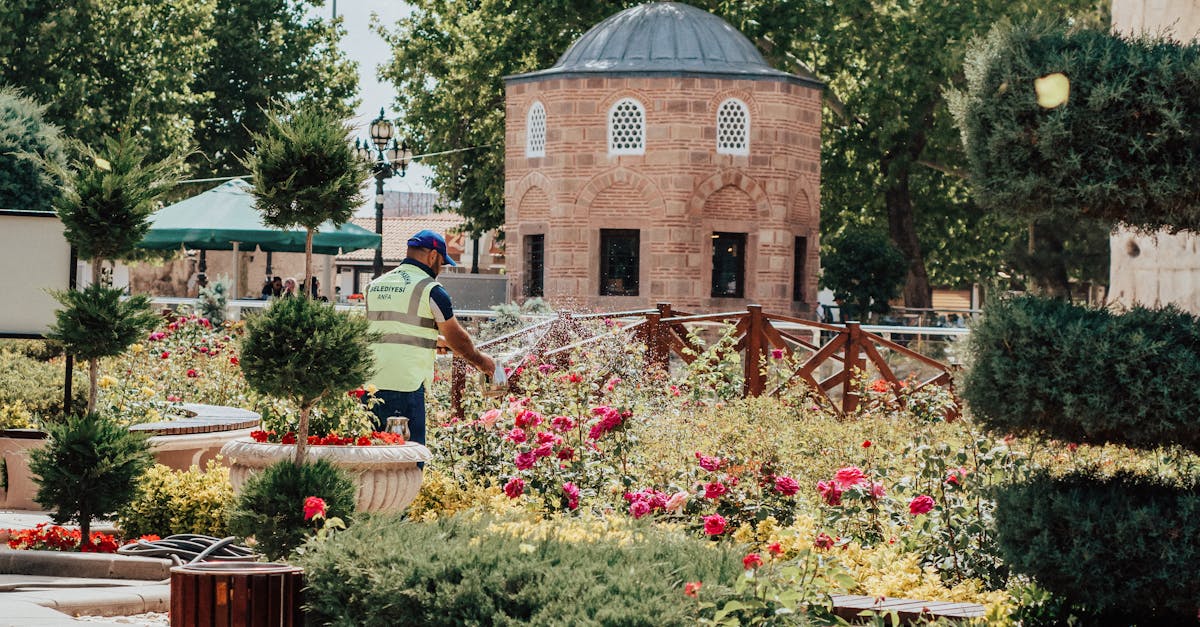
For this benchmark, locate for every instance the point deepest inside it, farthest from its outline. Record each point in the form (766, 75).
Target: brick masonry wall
(678, 193)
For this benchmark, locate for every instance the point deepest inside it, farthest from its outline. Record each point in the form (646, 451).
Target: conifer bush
(1123, 148)
(1123, 548)
(27, 140)
(462, 571)
(270, 507)
(1086, 375)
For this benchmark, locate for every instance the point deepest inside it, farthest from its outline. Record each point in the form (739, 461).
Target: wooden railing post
(755, 352)
(852, 363)
(648, 333)
(662, 349)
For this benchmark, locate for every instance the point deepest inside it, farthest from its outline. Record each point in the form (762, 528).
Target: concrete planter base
(387, 476)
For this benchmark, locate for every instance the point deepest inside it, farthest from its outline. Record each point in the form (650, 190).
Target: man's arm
(460, 342)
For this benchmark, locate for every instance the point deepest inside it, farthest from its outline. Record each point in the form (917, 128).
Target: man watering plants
(410, 309)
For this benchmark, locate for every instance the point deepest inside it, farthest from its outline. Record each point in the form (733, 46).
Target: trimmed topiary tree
(1123, 145)
(302, 350)
(1064, 124)
(88, 469)
(105, 205)
(27, 141)
(864, 269)
(305, 173)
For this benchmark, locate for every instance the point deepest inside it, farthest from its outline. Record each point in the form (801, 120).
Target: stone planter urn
(387, 476)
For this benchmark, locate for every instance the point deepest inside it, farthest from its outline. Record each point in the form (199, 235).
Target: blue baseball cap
(433, 241)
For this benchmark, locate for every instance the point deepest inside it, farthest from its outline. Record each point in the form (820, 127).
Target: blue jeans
(411, 405)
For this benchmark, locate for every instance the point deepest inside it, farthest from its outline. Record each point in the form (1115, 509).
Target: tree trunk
(903, 231)
(302, 435)
(1049, 264)
(308, 239)
(85, 526)
(93, 383)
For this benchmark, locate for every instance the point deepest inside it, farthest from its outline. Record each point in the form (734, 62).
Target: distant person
(316, 290)
(276, 287)
(267, 290)
(289, 288)
(409, 308)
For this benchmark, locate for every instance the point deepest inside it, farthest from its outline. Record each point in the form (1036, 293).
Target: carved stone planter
(387, 476)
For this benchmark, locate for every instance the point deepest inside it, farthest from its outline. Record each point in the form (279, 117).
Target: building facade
(662, 159)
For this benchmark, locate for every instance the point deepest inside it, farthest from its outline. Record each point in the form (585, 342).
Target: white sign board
(34, 259)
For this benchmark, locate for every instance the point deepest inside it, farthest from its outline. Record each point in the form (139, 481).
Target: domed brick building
(662, 159)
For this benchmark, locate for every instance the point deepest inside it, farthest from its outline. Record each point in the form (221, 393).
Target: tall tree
(448, 60)
(266, 51)
(27, 141)
(102, 66)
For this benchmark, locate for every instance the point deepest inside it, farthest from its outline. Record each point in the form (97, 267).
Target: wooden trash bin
(237, 594)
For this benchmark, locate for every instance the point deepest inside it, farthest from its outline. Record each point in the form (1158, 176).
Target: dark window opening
(729, 265)
(798, 276)
(535, 264)
(619, 253)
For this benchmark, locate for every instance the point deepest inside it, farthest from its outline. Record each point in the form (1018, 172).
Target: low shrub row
(1087, 375)
(32, 389)
(1124, 548)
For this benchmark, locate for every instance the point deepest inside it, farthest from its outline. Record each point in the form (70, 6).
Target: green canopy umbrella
(223, 215)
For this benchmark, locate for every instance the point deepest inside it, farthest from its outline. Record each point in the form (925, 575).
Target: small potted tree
(305, 351)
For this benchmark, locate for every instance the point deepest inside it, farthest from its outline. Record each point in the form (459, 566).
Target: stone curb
(83, 565)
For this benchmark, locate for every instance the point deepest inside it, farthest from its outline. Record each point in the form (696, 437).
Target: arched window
(535, 131)
(733, 128)
(627, 128)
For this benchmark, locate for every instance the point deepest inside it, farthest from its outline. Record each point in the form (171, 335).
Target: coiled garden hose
(192, 547)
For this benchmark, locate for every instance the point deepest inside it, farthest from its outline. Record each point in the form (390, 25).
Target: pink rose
(711, 464)
(565, 453)
(714, 490)
(639, 508)
(526, 460)
(572, 492)
(786, 486)
(849, 476)
(545, 450)
(922, 504)
(776, 353)
(751, 561)
(877, 491)
(516, 436)
(676, 502)
(515, 487)
(830, 492)
(714, 525)
(545, 437)
(562, 424)
(489, 417)
(823, 542)
(529, 418)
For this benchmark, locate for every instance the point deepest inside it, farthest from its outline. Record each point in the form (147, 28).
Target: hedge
(1123, 548)
(1124, 148)
(462, 571)
(1087, 375)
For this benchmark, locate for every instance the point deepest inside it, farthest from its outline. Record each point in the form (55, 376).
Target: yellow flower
(137, 348)
(371, 389)
(148, 392)
(106, 381)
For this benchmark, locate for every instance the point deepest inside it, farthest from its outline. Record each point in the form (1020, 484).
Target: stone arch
(739, 94)
(730, 178)
(639, 182)
(533, 182)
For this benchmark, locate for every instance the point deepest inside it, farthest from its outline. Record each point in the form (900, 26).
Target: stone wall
(677, 194)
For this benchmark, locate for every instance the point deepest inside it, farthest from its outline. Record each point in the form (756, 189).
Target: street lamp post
(390, 157)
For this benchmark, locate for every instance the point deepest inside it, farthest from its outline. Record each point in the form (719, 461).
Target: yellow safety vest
(398, 308)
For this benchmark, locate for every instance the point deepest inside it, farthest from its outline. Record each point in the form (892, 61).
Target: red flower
(165, 354)
(711, 464)
(529, 418)
(830, 492)
(691, 588)
(562, 424)
(922, 504)
(849, 476)
(880, 386)
(775, 549)
(288, 438)
(714, 490)
(357, 393)
(525, 461)
(786, 486)
(823, 542)
(752, 560)
(572, 493)
(714, 525)
(362, 441)
(515, 487)
(192, 374)
(639, 508)
(313, 440)
(866, 444)
(565, 453)
(314, 507)
(259, 435)
(234, 360)
(516, 436)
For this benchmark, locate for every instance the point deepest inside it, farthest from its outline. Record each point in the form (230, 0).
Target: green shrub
(25, 140)
(1123, 547)
(88, 469)
(1087, 375)
(864, 269)
(1122, 148)
(463, 571)
(170, 501)
(41, 350)
(270, 507)
(31, 389)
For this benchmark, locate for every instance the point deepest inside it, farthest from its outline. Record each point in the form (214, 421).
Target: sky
(365, 46)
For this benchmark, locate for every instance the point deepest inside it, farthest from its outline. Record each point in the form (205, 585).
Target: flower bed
(47, 537)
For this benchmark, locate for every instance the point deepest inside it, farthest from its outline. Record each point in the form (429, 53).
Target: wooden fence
(663, 331)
